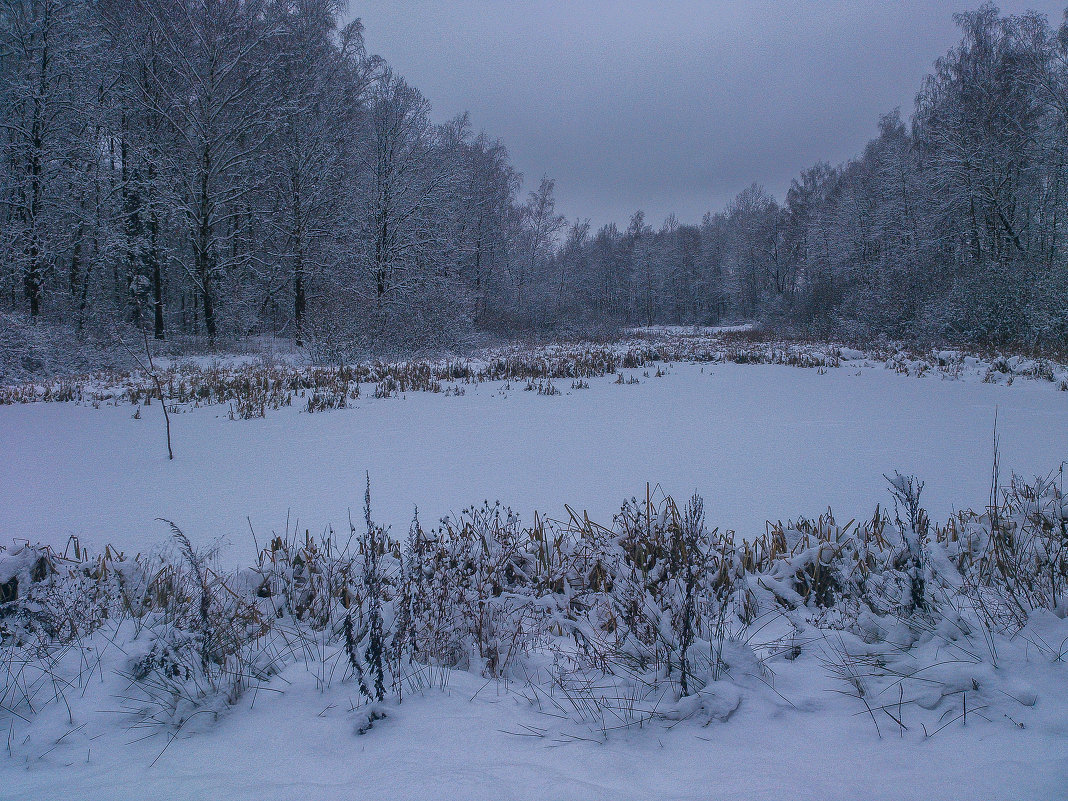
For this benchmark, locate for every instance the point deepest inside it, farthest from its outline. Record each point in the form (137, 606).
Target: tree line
(948, 229)
(227, 168)
(223, 168)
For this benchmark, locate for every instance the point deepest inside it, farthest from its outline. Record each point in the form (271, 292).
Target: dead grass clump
(635, 616)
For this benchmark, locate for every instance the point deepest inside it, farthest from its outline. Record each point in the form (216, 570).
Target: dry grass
(635, 613)
(251, 390)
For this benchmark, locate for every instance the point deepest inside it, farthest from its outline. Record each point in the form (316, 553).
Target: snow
(483, 740)
(757, 441)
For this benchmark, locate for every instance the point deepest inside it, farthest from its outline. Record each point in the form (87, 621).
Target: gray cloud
(669, 106)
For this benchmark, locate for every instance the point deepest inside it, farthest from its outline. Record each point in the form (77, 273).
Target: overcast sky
(670, 106)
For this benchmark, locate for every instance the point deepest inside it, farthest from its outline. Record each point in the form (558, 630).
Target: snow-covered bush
(653, 615)
(471, 592)
(32, 351)
(1013, 558)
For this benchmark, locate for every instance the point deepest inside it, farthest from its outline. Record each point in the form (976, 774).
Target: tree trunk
(299, 297)
(204, 246)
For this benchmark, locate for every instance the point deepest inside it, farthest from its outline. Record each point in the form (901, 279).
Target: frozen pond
(757, 442)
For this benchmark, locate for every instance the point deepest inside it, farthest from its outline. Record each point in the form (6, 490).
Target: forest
(214, 170)
(337, 462)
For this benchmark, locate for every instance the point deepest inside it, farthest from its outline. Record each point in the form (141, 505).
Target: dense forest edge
(216, 173)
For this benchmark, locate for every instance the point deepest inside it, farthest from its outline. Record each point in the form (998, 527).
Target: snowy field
(759, 442)
(479, 742)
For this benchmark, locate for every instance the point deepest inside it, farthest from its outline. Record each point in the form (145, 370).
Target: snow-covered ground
(480, 740)
(758, 442)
